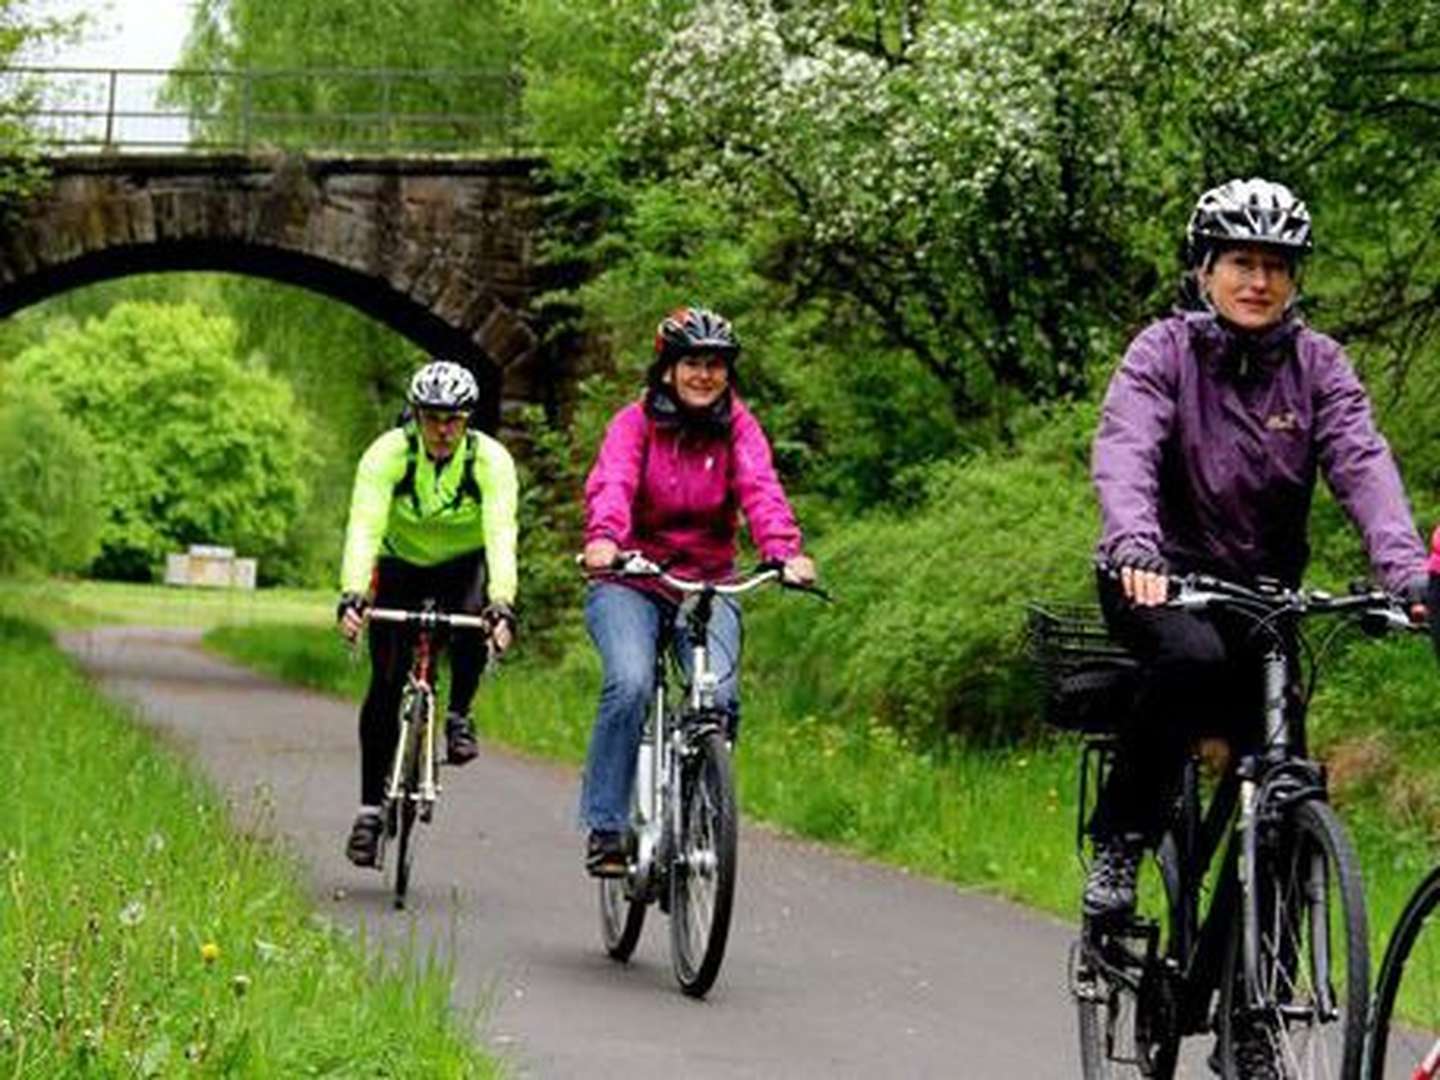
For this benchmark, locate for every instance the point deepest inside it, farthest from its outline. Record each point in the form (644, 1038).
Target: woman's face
(699, 380)
(1250, 286)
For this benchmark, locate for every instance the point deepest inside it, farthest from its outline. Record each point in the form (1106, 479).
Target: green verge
(146, 932)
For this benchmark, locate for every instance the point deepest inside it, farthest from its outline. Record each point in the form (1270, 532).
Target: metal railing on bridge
(369, 111)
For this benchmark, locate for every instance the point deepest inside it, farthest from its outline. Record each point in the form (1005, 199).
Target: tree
(23, 31)
(194, 446)
(49, 488)
(355, 73)
(1002, 187)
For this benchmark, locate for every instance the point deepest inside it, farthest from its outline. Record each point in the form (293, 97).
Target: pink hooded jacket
(672, 493)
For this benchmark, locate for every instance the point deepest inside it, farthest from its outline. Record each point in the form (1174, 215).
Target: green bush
(194, 446)
(49, 488)
(926, 630)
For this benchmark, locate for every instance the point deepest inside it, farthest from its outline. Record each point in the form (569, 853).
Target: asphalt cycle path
(836, 967)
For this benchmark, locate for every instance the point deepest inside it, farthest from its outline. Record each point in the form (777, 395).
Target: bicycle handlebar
(634, 564)
(1379, 611)
(430, 619)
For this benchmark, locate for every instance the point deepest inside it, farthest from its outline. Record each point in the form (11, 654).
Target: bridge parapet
(376, 111)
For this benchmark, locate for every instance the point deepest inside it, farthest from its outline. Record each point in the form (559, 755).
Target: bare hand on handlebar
(603, 554)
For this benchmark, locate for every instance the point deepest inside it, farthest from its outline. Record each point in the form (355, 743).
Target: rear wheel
(622, 917)
(1312, 958)
(1405, 1041)
(702, 876)
(1124, 999)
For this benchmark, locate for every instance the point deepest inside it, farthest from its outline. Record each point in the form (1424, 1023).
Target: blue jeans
(626, 626)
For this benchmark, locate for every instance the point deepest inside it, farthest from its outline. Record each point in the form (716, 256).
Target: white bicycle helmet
(443, 384)
(1253, 211)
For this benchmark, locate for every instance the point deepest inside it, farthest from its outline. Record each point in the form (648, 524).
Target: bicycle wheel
(702, 877)
(408, 810)
(1124, 1000)
(1405, 1038)
(1313, 959)
(622, 917)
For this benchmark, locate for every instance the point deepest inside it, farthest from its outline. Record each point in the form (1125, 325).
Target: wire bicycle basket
(1088, 679)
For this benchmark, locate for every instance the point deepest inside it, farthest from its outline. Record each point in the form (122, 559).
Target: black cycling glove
(1139, 558)
(350, 602)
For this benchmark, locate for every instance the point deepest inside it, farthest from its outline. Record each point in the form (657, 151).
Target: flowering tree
(999, 185)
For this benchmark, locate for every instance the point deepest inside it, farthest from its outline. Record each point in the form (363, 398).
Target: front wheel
(407, 811)
(1405, 1039)
(702, 876)
(1305, 1017)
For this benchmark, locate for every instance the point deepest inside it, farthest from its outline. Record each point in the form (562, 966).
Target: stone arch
(441, 252)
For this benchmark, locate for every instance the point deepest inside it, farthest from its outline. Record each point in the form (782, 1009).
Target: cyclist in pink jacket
(673, 470)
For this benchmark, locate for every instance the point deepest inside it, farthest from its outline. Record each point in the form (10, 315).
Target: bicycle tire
(409, 796)
(702, 875)
(1411, 968)
(1128, 1021)
(1308, 877)
(622, 917)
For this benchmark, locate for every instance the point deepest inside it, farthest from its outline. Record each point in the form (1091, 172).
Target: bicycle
(1282, 946)
(411, 787)
(1410, 982)
(683, 832)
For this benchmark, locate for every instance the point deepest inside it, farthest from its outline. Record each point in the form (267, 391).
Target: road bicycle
(683, 831)
(1405, 1032)
(412, 785)
(1278, 960)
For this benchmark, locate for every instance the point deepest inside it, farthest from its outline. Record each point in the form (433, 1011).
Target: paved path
(836, 967)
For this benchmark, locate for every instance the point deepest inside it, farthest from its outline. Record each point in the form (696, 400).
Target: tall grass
(147, 929)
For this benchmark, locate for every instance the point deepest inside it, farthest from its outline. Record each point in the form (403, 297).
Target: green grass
(66, 604)
(145, 931)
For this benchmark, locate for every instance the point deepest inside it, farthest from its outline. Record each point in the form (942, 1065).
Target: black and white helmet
(1250, 211)
(689, 330)
(443, 384)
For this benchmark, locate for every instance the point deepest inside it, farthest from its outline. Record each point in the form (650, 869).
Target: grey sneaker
(460, 745)
(1110, 887)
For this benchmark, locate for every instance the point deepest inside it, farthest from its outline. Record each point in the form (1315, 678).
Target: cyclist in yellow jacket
(432, 517)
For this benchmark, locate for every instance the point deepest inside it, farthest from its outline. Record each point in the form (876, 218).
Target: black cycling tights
(1201, 677)
(457, 585)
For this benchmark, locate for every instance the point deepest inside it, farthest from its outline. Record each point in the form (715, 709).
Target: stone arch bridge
(440, 249)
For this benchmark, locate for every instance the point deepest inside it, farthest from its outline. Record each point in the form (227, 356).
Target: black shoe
(606, 854)
(460, 745)
(1255, 1054)
(364, 844)
(1110, 887)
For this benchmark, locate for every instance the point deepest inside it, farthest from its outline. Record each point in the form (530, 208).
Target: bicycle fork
(1259, 806)
(396, 789)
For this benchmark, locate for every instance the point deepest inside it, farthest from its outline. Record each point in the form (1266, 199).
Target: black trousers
(1201, 676)
(457, 585)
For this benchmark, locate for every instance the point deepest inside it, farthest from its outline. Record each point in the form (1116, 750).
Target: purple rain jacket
(1209, 443)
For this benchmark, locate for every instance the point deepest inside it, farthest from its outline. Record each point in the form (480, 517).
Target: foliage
(997, 186)
(26, 29)
(194, 446)
(49, 488)
(322, 61)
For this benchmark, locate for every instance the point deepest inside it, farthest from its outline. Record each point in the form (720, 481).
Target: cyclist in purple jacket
(1213, 431)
